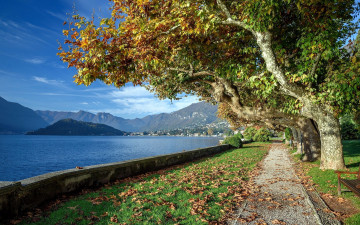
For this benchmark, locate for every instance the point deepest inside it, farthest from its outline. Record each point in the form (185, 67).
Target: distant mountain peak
(15, 118)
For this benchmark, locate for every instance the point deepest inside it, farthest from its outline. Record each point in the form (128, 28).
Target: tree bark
(295, 139)
(315, 143)
(311, 140)
(331, 146)
(330, 137)
(299, 143)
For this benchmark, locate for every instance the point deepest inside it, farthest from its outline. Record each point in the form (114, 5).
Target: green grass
(326, 180)
(276, 138)
(196, 193)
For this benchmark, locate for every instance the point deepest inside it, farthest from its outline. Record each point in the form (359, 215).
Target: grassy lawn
(196, 193)
(326, 180)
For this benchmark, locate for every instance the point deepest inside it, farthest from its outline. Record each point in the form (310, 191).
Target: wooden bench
(352, 185)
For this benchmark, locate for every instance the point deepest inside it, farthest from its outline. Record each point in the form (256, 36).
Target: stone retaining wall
(16, 197)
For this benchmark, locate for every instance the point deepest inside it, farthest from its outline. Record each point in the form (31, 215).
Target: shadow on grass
(252, 146)
(351, 148)
(352, 165)
(351, 154)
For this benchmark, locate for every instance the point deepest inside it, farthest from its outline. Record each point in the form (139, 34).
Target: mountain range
(15, 118)
(197, 114)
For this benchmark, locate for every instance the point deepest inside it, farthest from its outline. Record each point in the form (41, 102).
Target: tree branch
(263, 39)
(316, 64)
(191, 72)
(203, 81)
(229, 20)
(171, 29)
(232, 90)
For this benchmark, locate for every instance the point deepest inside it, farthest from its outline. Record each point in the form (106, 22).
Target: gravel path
(280, 197)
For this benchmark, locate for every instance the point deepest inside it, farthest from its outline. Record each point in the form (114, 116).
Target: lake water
(23, 156)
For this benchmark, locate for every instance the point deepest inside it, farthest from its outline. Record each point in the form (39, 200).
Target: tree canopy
(278, 58)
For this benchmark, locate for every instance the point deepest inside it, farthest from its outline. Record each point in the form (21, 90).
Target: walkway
(280, 198)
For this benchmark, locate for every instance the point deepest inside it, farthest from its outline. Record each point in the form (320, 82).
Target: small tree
(239, 135)
(234, 141)
(210, 131)
(262, 135)
(288, 134)
(229, 133)
(349, 131)
(249, 133)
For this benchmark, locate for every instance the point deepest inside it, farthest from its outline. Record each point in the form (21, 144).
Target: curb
(327, 218)
(318, 205)
(238, 213)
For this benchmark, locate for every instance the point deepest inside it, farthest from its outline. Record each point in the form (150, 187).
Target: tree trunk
(296, 140)
(299, 145)
(331, 147)
(315, 143)
(311, 140)
(294, 136)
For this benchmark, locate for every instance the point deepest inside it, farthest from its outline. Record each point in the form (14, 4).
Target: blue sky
(32, 74)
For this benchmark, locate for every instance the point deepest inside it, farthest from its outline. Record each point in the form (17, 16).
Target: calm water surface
(24, 156)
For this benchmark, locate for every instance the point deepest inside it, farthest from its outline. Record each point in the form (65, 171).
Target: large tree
(286, 55)
(309, 144)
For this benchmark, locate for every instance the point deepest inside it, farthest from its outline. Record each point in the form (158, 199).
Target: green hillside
(72, 127)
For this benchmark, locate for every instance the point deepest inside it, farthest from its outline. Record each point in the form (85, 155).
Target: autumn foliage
(266, 60)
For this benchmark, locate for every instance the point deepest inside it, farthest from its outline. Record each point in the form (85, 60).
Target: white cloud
(60, 16)
(47, 81)
(14, 24)
(126, 92)
(4, 23)
(129, 102)
(35, 61)
(132, 102)
(58, 66)
(150, 105)
(10, 29)
(46, 30)
(88, 7)
(7, 73)
(41, 79)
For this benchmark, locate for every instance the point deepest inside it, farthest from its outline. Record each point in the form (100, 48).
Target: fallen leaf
(73, 208)
(105, 214)
(114, 219)
(278, 222)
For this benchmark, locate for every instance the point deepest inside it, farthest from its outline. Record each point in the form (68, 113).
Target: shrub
(288, 134)
(349, 127)
(229, 133)
(349, 131)
(234, 141)
(262, 135)
(249, 133)
(239, 135)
